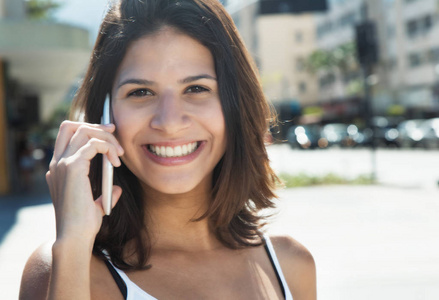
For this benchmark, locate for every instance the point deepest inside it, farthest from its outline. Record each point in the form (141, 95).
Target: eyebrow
(150, 82)
(197, 77)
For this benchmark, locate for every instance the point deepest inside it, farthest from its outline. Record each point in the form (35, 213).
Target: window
(300, 64)
(433, 55)
(347, 19)
(299, 36)
(302, 87)
(415, 59)
(419, 26)
(412, 28)
(324, 28)
(426, 23)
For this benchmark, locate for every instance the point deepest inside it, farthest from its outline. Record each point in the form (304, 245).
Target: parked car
(305, 137)
(386, 132)
(430, 130)
(340, 134)
(362, 137)
(411, 133)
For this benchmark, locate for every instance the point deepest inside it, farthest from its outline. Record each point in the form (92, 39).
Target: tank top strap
(276, 266)
(129, 289)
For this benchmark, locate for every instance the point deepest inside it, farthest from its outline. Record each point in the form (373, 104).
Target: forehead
(166, 52)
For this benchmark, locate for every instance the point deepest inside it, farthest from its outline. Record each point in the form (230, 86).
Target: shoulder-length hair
(243, 182)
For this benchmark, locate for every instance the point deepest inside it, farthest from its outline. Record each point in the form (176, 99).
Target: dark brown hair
(243, 181)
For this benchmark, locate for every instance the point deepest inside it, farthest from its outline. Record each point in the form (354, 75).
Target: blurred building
(410, 31)
(340, 83)
(406, 77)
(285, 42)
(245, 14)
(280, 43)
(39, 61)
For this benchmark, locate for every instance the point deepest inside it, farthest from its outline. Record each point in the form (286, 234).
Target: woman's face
(168, 113)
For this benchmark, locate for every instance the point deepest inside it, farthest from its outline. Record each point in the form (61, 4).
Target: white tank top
(134, 292)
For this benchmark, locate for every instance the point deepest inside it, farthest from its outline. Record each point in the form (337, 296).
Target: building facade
(412, 52)
(407, 72)
(285, 42)
(39, 61)
(280, 44)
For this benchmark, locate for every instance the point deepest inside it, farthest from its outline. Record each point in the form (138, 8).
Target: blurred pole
(367, 52)
(368, 116)
(4, 176)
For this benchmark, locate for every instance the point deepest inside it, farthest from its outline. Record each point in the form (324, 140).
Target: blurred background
(355, 84)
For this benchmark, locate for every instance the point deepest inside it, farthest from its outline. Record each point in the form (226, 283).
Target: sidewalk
(369, 242)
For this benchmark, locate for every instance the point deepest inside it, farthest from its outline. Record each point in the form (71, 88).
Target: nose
(170, 116)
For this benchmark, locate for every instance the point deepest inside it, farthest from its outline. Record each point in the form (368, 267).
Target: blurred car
(362, 137)
(430, 130)
(305, 137)
(340, 134)
(385, 131)
(411, 133)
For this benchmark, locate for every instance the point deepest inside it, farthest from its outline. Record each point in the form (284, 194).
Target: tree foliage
(342, 58)
(41, 9)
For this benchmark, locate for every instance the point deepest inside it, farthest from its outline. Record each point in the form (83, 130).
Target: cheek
(213, 116)
(127, 123)
(214, 120)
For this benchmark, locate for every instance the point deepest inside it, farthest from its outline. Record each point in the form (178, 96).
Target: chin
(178, 187)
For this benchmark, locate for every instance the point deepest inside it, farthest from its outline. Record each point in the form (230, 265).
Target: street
(369, 242)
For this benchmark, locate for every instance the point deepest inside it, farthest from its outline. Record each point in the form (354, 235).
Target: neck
(170, 220)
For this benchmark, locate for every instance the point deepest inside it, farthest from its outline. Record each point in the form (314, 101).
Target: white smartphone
(107, 167)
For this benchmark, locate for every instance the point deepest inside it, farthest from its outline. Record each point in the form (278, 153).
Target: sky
(87, 14)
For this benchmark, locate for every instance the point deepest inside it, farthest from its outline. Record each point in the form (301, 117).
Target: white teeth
(176, 151)
(169, 152)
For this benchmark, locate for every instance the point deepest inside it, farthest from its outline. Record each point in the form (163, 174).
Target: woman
(192, 171)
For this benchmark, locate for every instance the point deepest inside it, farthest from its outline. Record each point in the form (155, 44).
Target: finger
(67, 130)
(84, 133)
(95, 146)
(116, 193)
(50, 184)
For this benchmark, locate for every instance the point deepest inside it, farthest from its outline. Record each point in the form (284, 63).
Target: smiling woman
(173, 104)
(192, 171)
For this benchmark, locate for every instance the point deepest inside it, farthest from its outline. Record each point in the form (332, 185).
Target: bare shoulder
(36, 274)
(298, 266)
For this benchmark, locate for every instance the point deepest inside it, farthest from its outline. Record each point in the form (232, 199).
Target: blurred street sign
(366, 42)
(291, 6)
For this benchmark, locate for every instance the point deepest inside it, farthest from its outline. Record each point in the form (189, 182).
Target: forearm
(70, 278)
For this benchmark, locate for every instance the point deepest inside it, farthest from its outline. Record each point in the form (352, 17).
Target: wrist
(71, 264)
(80, 245)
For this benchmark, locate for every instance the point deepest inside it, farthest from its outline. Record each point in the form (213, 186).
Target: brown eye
(196, 89)
(140, 93)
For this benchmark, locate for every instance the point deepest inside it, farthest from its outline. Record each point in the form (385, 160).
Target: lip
(173, 161)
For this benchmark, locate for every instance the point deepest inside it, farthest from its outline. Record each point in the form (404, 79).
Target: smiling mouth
(177, 151)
